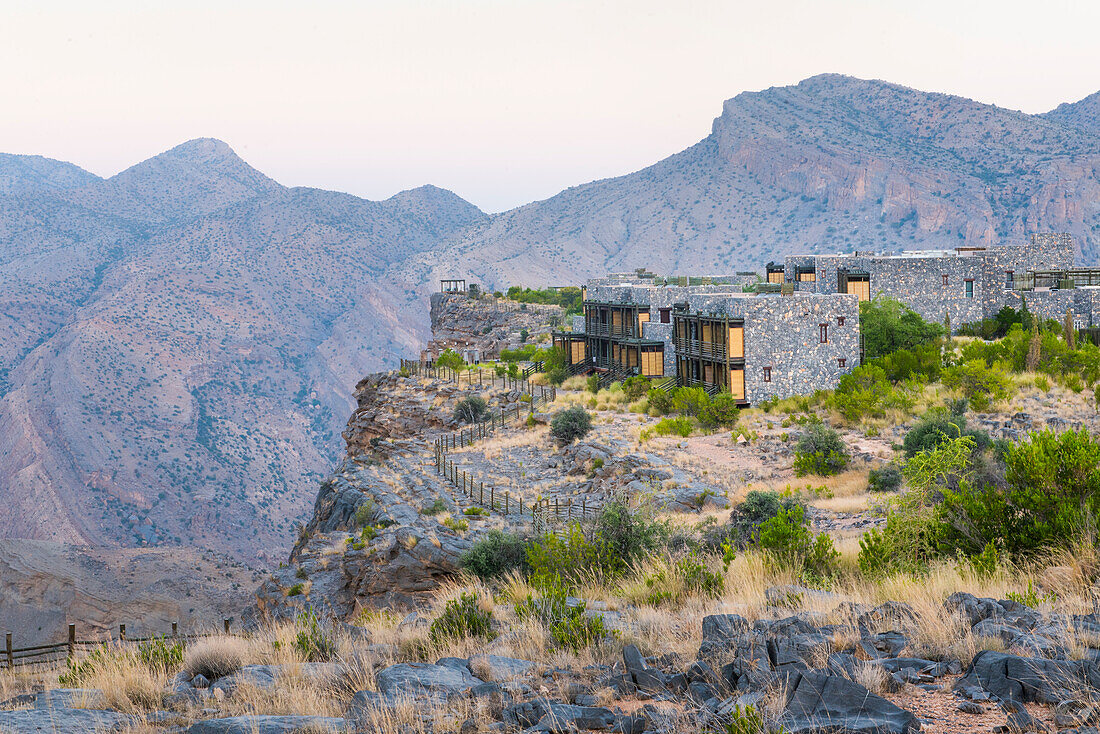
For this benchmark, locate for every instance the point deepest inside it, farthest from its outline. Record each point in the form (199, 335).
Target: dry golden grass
(215, 657)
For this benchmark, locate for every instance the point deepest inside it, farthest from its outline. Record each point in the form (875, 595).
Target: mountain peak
(202, 150)
(1083, 114)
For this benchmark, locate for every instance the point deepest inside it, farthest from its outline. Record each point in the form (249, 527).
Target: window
(666, 315)
(1010, 276)
(945, 279)
(824, 333)
(840, 321)
(842, 362)
(767, 374)
(969, 288)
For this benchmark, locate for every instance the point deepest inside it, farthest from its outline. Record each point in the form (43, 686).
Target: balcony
(715, 351)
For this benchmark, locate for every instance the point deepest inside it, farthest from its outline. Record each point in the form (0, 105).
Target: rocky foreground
(853, 668)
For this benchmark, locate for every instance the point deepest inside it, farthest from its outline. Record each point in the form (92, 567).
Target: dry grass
(215, 657)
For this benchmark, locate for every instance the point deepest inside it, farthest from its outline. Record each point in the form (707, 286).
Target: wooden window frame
(666, 315)
(840, 321)
(823, 333)
(842, 362)
(767, 374)
(968, 288)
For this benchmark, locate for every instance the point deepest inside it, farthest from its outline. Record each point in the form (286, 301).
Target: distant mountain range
(179, 342)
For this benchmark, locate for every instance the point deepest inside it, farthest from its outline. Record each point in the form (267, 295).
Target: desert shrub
(982, 385)
(629, 536)
(689, 400)
(1030, 597)
(496, 554)
(215, 657)
(565, 558)
(557, 375)
(475, 511)
(523, 354)
(462, 617)
(788, 540)
(937, 426)
(569, 627)
(678, 426)
(296, 590)
(635, 387)
(437, 507)
(1051, 495)
(571, 424)
(364, 514)
(592, 384)
(862, 392)
(985, 564)
(721, 411)
(747, 720)
(888, 325)
(160, 654)
(313, 642)
(698, 579)
(884, 479)
(820, 451)
(660, 401)
(450, 359)
(471, 409)
(457, 524)
(875, 555)
(758, 507)
(923, 362)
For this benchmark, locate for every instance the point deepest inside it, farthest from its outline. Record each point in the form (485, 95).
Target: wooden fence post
(481, 495)
(506, 495)
(175, 629)
(492, 498)
(8, 652)
(72, 640)
(122, 632)
(227, 626)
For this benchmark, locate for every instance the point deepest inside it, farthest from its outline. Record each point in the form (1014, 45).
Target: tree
(1034, 347)
(981, 385)
(451, 360)
(1068, 331)
(571, 424)
(889, 325)
(472, 409)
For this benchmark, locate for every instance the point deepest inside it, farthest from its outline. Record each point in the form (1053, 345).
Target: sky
(501, 102)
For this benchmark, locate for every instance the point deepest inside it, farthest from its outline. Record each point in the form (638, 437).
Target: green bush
(437, 507)
(457, 524)
(690, 400)
(660, 401)
(462, 617)
(875, 554)
(985, 564)
(678, 426)
(884, 479)
(862, 392)
(628, 536)
(982, 385)
(888, 325)
(570, 627)
(451, 360)
(820, 451)
(592, 384)
(471, 409)
(747, 720)
(635, 387)
(938, 426)
(788, 540)
(523, 354)
(698, 579)
(571, 424)
(557, 375)
(313, 641)
(496, 554)
(758, 507)
(475, 511)
(161, 655)
(721, 411)
(565, 558)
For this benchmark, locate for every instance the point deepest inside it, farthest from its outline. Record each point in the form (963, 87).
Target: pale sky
(501, 102)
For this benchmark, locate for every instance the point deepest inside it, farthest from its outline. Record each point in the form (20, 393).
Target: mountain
(198, 330)
(179, 342)
(830, 164)
(24, 174)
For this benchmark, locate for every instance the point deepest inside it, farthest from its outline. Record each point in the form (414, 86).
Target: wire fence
(54, 652)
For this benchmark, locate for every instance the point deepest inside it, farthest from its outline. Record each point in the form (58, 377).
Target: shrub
(721, 411)
(788, 540)
(635, 387)
(679, 426)
(437, 507)
(862, 392)
(884, 479)
(364, 514)
(985, 564)
(888, 325)
(982, 385)
(758, 507)
(475, 511)
(457, 524)
(451, 360)
(820, 451)
(565, 558)
(471, 409)
(296, 590)
(571, 424)
(938, 426)
(496, 554)
(747, 720)
(569, 626)
(628, 536)
(215, 657)
(161, 655)
(462, 617)
(557, 375)
(660, 402)
(313, 641)
(875, 555)
(592, 384)
(689, 400)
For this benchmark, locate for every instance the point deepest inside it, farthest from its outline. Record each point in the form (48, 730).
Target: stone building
(719, 337)
(968, 283)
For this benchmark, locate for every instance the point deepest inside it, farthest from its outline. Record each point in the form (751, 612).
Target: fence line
(54, 652)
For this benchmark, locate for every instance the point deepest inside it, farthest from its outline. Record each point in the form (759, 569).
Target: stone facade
(968, 284)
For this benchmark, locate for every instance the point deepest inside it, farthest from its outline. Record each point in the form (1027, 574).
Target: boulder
(829, 704)
(418, 679)
(499, 667)
(1015, 678)
(39, 720)
(270, 725)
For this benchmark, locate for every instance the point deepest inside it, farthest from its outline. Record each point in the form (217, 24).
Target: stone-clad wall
(783, 333)
(1083, 302)
(662, 332)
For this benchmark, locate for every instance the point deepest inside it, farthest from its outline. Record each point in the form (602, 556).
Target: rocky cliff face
(485, 325)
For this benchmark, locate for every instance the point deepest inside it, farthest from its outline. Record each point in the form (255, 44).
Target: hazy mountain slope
(830, 164)
(22, 174)
(194, 397)
(1084, 114)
